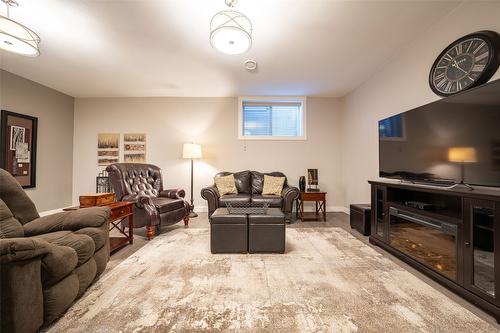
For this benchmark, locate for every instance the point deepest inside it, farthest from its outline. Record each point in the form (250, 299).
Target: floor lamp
(191, 151)
(462, 155)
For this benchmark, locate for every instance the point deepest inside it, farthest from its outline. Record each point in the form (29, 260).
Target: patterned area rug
(328, 281)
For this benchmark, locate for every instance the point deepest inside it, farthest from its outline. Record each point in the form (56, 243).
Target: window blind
(282, 119)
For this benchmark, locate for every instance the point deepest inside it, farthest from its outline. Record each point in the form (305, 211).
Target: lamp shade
(191, 151)
(462, 154)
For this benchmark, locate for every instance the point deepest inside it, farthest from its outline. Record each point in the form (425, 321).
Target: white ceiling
(161, 48)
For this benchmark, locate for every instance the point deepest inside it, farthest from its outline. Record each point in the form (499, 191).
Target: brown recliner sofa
(143, 184)
(45, 262)
(249, 185)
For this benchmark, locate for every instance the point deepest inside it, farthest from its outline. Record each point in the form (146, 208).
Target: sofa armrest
(289, 194)
(21, 296)
(71, 220)
(18, 249)
(175, 193)
(211, 194)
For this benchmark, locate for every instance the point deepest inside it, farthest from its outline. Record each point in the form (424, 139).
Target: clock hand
(457, 66)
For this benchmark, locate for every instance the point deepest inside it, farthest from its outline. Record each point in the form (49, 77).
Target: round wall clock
(467, 62)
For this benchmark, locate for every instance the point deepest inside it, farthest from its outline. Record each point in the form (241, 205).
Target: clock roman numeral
(448, 86)
(482, 56)
(478, 68)
(441, 83)
(438, 77)
(479, 47)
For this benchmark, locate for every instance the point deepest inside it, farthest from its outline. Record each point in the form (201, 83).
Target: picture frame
(18, 135)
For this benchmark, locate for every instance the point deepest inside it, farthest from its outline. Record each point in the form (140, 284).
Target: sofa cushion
(233, 198)
(16, 199)
(165, 205)
(273, 185)
(82, 244)
(258, 180)
(99, 236)
(10, 227)
(274, 201)
(58, 263)
(226, 184)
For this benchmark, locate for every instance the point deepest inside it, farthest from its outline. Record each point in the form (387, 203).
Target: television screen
(451, 140)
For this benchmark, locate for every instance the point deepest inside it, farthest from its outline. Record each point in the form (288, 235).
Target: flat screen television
(445, 142)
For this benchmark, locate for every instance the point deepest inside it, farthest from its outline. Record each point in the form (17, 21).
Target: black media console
(448, 234)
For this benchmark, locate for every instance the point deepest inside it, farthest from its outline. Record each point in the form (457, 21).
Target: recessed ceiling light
(250, 65)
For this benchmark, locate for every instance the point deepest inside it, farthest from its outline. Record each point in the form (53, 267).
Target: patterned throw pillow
(226, 184)
(273, 185)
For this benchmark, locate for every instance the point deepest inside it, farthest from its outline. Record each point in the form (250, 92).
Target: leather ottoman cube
(228, 232)
(361, 218)
(266, 233)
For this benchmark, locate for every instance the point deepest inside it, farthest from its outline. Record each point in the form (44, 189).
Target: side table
(119, 211)
(318, 197)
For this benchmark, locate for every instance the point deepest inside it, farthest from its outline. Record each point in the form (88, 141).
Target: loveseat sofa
(249, 185)
(45, 262)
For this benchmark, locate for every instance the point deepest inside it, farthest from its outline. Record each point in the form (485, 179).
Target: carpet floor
(327, 281)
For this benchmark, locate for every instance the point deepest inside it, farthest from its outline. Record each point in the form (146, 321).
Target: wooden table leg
(324, 210)
(131, 229)
(317, 212)
(301, 211)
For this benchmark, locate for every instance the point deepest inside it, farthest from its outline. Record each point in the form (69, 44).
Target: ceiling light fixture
(230, 31)
(15, 37)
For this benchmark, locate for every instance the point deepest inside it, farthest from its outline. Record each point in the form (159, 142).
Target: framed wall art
(108, 148)
(134, 148)
(18, 140)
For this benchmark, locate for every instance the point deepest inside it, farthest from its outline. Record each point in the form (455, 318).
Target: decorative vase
(302, 183)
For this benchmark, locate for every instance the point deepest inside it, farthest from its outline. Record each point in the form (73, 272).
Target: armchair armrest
(18, 249)
(176, 193)
(72, 220)
(289, 194)
(211, 194)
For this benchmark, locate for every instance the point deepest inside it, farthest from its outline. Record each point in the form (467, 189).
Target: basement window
(272, 118)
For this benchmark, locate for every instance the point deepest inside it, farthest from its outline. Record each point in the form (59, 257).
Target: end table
(119, 211)
(318, 197)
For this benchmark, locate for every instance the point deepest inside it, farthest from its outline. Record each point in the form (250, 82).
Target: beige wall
(400, 86)
(55, 136)
(169, 122)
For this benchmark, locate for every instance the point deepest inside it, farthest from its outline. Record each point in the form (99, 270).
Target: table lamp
(462, 155)
(191, 151)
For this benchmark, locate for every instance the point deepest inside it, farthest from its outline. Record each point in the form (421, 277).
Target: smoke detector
(250, 65)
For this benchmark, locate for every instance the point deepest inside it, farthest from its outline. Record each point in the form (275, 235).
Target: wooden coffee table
(119, 211)
(319, 198)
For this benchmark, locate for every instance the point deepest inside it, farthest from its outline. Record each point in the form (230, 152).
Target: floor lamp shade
(191, 151)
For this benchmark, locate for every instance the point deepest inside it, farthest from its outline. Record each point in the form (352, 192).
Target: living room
(137, 82)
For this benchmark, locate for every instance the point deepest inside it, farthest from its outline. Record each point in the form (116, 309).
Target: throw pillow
(273, 185)
(226, 184)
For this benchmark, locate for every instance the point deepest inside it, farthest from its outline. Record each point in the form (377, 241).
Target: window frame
(264, 99)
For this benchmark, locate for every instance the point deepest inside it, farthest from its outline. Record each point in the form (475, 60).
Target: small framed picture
(18, 136)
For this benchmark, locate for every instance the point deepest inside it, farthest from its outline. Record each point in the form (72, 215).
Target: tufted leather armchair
(249, 185)
(142, 184)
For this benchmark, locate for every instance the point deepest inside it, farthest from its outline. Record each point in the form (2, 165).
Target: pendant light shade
(230, 32)
(16, 38)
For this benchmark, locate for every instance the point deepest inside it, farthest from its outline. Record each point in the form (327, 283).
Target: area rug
(327, 281)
